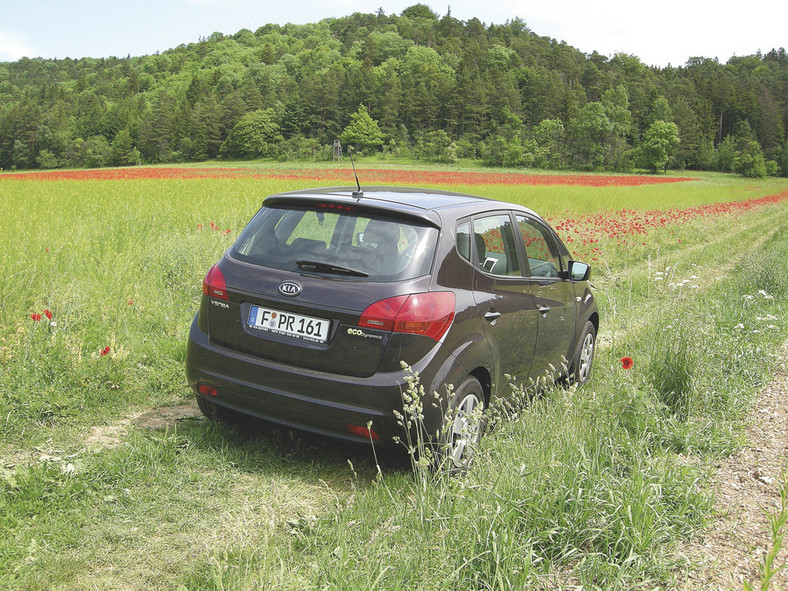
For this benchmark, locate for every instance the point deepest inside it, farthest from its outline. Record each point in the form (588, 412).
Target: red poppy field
(341, 175)
(109, 477)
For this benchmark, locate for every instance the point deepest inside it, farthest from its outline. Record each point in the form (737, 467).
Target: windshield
(346, 244)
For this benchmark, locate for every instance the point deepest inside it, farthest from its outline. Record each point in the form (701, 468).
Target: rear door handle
(544, 309)
(491, 317)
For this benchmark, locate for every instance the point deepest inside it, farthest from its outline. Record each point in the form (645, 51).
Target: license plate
(297, 326)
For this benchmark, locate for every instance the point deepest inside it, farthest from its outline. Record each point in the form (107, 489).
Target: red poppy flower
(48, 314)
(627, 362)
(104, 351)
(36, 317)
(130, 302)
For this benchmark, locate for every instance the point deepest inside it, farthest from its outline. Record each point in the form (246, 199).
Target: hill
(416, 86)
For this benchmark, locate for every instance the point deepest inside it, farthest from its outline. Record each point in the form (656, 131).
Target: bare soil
(746, 487)
(113, 434)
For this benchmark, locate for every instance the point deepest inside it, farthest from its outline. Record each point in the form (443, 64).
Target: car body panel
(557, 310)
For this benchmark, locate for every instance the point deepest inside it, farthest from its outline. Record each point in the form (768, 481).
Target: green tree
(661, 110)
(550, 137)
(97, 151)
(21, 157)
(725, 155)
(692, 152)
(122, 150)
(616, 104)
(255, 136)
(156, 136)
(588, 132)
(659, 142)
(749, 161)
(47, 159)
(293, 120)
(436, 146)
(419, 11)
(362, 132)
(205, 132)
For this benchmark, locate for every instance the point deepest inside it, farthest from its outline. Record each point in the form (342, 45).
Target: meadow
(110, 480)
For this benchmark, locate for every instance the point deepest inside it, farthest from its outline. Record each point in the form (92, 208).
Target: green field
(102, 486)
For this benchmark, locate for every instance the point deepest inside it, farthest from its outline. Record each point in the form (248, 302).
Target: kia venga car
(306, 320)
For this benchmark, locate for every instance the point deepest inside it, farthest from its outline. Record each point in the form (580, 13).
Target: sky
(659, 33)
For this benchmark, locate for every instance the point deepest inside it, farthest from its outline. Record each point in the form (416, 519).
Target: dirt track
(746, 487)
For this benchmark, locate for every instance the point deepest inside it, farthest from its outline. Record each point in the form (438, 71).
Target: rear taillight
(214, 284)
(429, 314)
(382, 314)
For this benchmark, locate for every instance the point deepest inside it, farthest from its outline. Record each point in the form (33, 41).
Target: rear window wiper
(321, 267)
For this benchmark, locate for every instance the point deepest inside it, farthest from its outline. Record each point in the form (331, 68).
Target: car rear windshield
(343, 243)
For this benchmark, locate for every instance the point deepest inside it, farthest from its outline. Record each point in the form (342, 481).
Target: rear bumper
(316, 401)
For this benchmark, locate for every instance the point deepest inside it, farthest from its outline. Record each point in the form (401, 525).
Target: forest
(416, 86)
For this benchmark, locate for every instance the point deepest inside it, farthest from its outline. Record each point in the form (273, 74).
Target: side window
(496, 250)
(464, 240)
(542, 253)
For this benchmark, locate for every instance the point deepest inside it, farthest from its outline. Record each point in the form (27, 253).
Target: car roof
(426, 204)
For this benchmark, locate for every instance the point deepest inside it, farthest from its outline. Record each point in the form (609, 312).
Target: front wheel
(464, 425)
(580, 370)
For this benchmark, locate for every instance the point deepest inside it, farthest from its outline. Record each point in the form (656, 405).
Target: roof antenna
(359, 193)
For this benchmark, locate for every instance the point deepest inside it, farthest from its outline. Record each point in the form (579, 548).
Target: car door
(554, 298)
(503, 296)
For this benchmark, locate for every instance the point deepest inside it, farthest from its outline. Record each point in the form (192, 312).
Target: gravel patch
(746, 487)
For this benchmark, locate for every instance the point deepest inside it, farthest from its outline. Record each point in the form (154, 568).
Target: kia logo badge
(289, 288)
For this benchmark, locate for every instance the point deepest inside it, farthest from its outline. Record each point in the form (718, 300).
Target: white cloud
(13, 47)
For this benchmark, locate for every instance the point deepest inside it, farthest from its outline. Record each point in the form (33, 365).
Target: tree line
(417, 86)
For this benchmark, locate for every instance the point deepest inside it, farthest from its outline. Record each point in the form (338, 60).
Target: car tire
(580, 370)
(464, 425)
(215, 412)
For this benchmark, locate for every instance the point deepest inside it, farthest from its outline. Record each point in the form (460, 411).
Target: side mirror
(579, 271)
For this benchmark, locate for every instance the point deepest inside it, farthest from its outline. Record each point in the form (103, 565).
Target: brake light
(429, 314)
(336, 206)
(214, 284)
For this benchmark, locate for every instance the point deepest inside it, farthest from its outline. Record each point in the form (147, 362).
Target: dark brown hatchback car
(307, 320)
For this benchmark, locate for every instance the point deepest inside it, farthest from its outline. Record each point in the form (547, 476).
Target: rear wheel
(465, 424)
(580, 370)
